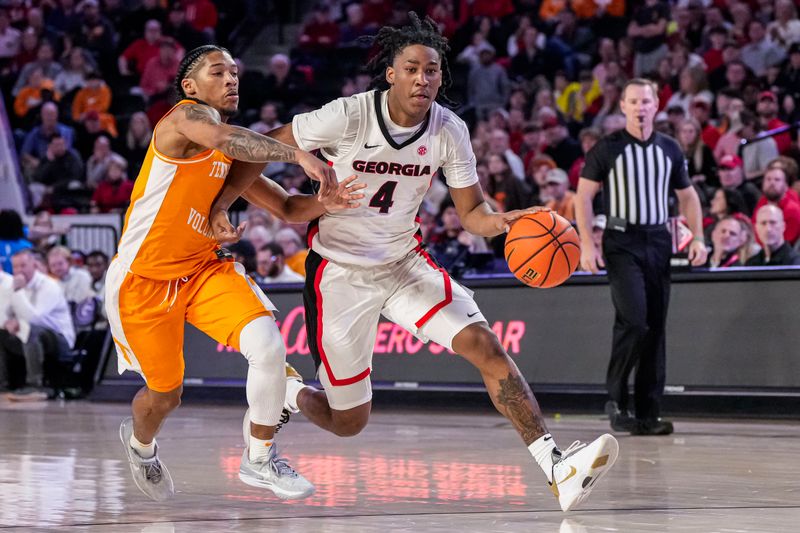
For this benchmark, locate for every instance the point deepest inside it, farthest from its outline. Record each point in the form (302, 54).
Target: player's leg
(435, 307)
(342, 310)
(230, 308)
(146, 321)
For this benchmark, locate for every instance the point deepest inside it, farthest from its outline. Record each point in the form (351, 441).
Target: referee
(637, 167)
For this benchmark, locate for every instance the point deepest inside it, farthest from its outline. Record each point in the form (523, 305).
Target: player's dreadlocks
(190, 62)
(391, 41)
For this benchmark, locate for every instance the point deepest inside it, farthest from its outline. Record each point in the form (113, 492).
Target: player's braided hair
(190, 62)
(392, 41)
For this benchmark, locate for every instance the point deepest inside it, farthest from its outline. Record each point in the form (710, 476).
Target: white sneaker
(578, 468)
(150, 475)
(275, 474)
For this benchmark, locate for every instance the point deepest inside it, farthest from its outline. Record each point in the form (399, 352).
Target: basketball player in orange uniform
(170, 270)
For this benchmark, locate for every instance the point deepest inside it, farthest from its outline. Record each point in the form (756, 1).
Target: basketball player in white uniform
(369, 261)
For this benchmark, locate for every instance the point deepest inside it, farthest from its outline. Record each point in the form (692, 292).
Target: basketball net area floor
(62, 468)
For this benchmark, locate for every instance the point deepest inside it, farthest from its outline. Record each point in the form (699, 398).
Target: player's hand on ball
(506, 219)
(223, 230)
(344, 195)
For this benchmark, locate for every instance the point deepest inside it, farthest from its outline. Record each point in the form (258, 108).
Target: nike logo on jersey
(370, 146)
(385, 167)
(470, 315)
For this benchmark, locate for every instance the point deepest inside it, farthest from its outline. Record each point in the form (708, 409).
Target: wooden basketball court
(62, 468)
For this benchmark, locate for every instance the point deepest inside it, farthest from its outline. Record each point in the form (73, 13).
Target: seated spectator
(449, 244)
(92, 128)
(283, 84)
(499, 145)
(767, 109)
(487, 84)
(509, 192)
(135, 142)
(775, 189)
(293, 249)
(94, 96)
(73, 77)
(59, 180)
(37, 91)
(726, 240)
(579, 97)
(757, 155)
(320, 33)
(37, 141)
(271, 266)
(560, 146)
(159, 73)
(136, 56)
(11, 349)
(179, 29)
(588, 137)
(354, 26)
(97, 164)
(10, 40)
(702, 166)
(760, 53)
(692, 84)
(268, 119)
(731, 176)
(201, 15)
(562, 200)
(44, 233)
(724, 202)
(45, 60)
(775, 251)
(42, 315)
(12, 237)
(785, 29)
(700, 110)
(529, 60)
(74, 281)
(113, 192)
(97, 265)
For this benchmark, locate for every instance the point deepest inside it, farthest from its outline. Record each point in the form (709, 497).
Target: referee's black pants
(638, 262)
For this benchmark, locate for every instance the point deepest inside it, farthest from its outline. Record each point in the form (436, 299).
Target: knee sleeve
(261, 343)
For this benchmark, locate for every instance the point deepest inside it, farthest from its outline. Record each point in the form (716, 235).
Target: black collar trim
(414, 138)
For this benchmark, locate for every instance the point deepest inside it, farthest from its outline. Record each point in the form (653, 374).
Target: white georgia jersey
(354, 133)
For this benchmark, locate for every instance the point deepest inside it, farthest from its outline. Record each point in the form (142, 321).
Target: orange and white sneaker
(577, 469)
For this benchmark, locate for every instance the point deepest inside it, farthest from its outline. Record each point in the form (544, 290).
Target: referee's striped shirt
(637, 176)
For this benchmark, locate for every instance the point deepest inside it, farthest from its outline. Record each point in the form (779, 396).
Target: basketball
(542, 249)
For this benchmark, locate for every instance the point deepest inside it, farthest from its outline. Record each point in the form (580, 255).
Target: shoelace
(152, 471)
(572, 448)
(284, 419)
(280, 465)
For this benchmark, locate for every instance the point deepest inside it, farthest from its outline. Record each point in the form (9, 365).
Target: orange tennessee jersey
(167, 234)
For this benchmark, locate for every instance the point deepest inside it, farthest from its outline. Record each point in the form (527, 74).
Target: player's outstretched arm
(478, 218)
(202, 124)
(296, 208)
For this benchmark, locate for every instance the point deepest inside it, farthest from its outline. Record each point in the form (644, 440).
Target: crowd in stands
(537, 81)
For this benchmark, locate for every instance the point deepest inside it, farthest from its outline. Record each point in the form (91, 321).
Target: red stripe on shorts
(448, 291)
(333, 379)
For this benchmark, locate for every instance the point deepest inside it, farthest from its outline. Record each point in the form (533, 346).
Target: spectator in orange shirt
(293, 249)
(37, 91)
(562, 200)
(94, 96)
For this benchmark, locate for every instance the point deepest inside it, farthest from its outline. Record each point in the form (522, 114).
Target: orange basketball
(542, 249)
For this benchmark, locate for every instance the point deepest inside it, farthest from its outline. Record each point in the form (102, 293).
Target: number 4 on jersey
(382, 199)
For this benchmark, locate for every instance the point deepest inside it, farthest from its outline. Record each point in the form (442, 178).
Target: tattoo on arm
(241, 143)
(201, 113)
(521, 408)
(247, 145)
